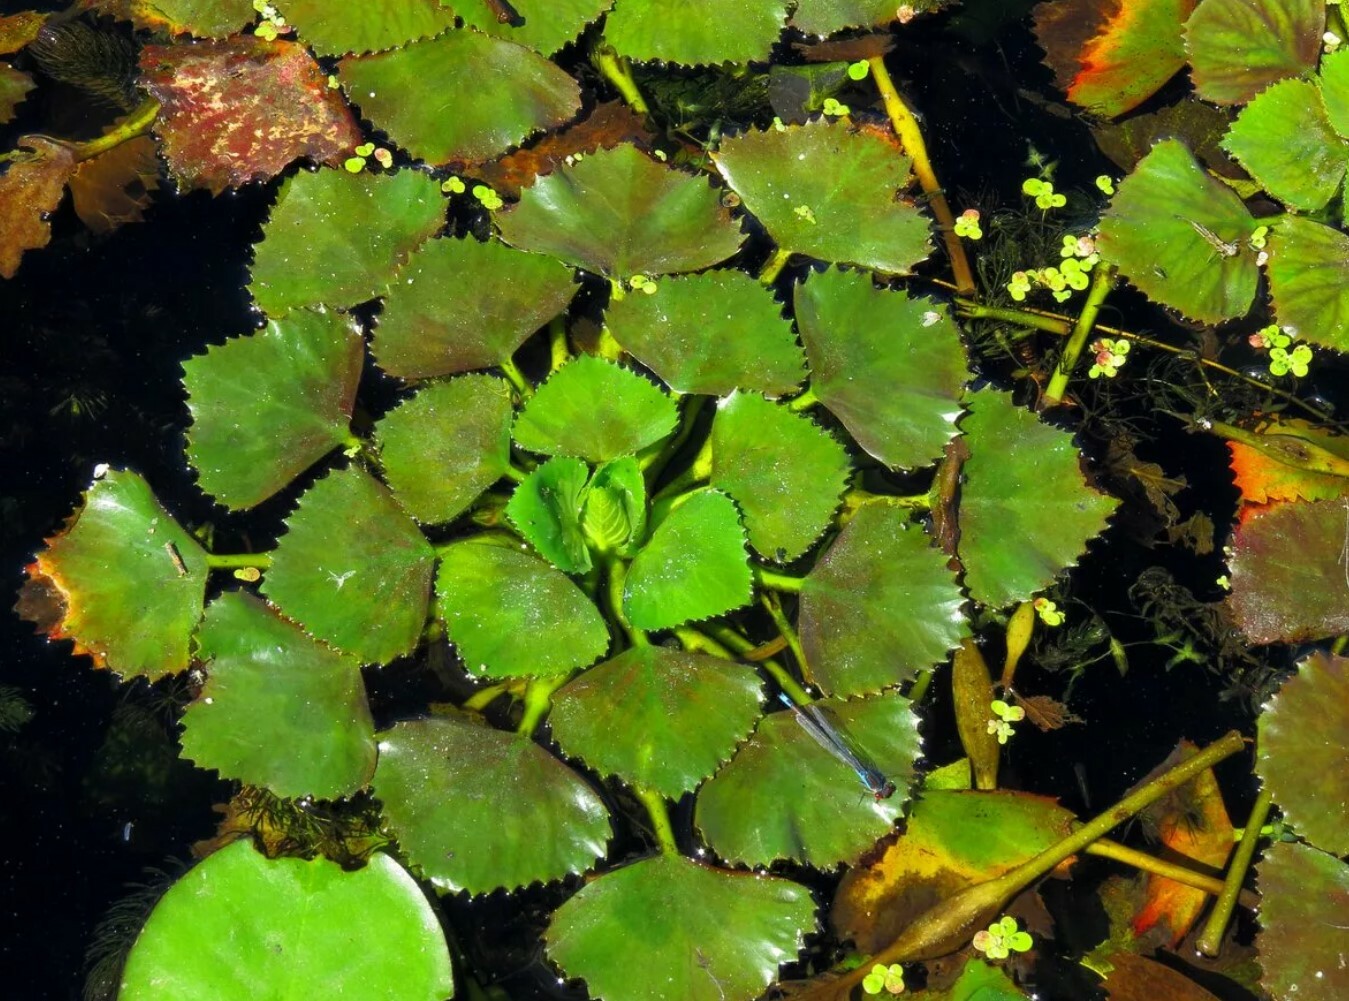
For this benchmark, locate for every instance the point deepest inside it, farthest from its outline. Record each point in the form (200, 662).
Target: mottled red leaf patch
(241, 110)
(31, 188)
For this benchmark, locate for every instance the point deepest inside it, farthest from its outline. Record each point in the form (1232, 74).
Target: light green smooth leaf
(1308, 272)
(546, 510)
(510, 614)
(824, 17)
(1302, 935)
(122, 579)
(1160, 232)
(783, 796)
(620, 213)
(268, 405)
(479, 809)
(239, 925)
(693, 568)
(613, 515)
(462, 95)
(823, 190)
(1285, 141)
(708, 934)
(784, 471)
(441, 448)
(695, 32)
(596, 410)
(336, 238)
(353, 569)
(544, 25)
(879, 606)
(683, 715)
(710, 333)
(1239, 47)
(891, 368)
(336, 27)
(1025, 512)
(278, 710)
(463, 304)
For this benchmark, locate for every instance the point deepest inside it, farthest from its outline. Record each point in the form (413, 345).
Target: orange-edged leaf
(31, 188)
(1192, 824)
(114, 188)
(241, 110)
(17, 30)
(1263, 477)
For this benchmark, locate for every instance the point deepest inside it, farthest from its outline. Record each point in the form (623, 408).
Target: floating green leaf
(546, 510)
(784, 471)
(242, 925)
(336, 27)
(458, 305)
(479, 809)
(1181, 236)
(511, 614)
(827, 191)
(596, 410)
(620, 213)
(693, 568)
(824, 17)
(336, 238)
(783, 796)
(1239, 47)
(1334, 81)
(353, 569)
(1302, 937)
(613, 515)
(277, 710)
(710, 333)
(1304, 733)
(879, 606)
(461, 96)
(694, 32)
(267, 406)
(201, 18)
(682, 713)
(543, 25)
(1309, 280)
(707, 933)
(1025, 512)
(444, 446)
(122, 579)
(891, 368)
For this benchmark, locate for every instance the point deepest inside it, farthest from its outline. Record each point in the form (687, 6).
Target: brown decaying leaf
(114, 188)
(1135, 978)
(1194, 533)
(972, 693)
(845, 50)
(240, 110)
(1063, 31)
(1045, 712)
(17, 30)
(29, 190)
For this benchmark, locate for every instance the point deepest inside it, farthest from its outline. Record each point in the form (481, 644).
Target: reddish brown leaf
(1137, 979)
(114, 187)
(17, 30)
(241, 110)
(1276, 474)
(31, 188)
(14, 88)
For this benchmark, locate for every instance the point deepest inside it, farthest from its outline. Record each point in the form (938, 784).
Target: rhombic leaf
(695, 32)
(1309, 280)
(546, 510)
(336, 27)
(1239, 47)
(543, 25)
(824, 17)
(479, 809)
(268, 405)
(1302, 936)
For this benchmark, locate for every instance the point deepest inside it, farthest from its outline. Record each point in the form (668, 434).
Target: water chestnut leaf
(337, 27)
(618, 213)
(510, 614)
(824, 17)
(336, 238)
(546, 510)
(683, 715)
(446, 444)
(613, 515)
(783, 796)
(1239, 47)
(543, 25)
(707, 934)
(478, 809)
(278, 710)
(122, 579)
(268, 405)
(710, 333)
(353, 568)
(784, 471)
(1026, 513)
(883, 365)
(239, 924)
(1302, 935)
(200, 18)
(879, 606)
(596, 410)
(1334, 87)
(459, 305)
(694, 566)
(1308, 272)
(500, 93)
(695, 32)
(849, 181)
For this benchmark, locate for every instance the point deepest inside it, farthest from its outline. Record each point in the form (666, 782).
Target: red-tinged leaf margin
(29, 190)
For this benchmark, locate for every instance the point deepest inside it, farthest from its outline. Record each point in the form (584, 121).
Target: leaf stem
(558, 352)
(238, 561)
(742, 646)
(615, 573)
(516, 378)
(773, 604)
(1105, 848)
(660, 819)
(698, 642)
(688, 419)
(778, 581)
(1210, 939)
(774, 267)
(699, 470)
(514, 473)
(803, 400)
(538, 700)
(618, 71)
(136, 124)
(911, 136)
(484, 697)
(1102, 281)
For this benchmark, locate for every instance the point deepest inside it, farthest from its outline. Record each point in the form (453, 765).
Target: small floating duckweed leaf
(649, 30)
(546, 510)
(478, 809)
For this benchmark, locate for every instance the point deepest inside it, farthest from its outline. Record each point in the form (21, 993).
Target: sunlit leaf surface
(336, 27)
(546, 510)
(694, 32)
(30, 189)
(1238, 48)
(543, 25)
(1309, 280)
(1303, 896)
(824, 17)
